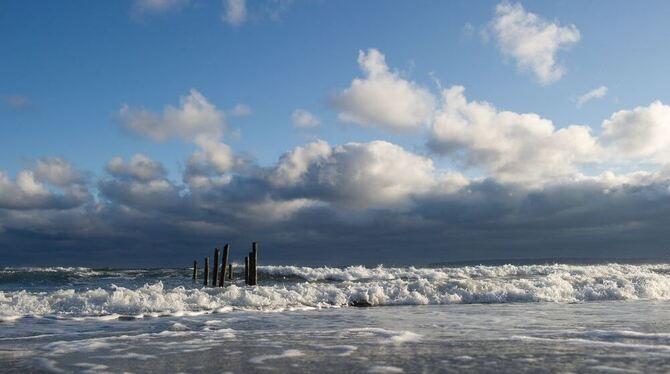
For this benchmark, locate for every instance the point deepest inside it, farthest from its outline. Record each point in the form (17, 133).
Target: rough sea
(506, 318)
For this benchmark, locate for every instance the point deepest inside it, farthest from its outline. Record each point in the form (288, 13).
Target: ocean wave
(300, 288)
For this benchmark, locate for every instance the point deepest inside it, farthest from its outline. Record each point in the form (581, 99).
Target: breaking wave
(300, 288)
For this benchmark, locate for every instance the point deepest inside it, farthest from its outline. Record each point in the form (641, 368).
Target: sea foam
(301, 288)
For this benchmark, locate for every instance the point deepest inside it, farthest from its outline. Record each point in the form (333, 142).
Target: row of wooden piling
(219, 275)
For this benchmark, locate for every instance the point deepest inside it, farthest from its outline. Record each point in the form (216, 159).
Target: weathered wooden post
(246, 270)
(250, 277)
(230, 271)
(195, 270)
(206, 270)
(224, 266)
(215, 274)
(253, 278)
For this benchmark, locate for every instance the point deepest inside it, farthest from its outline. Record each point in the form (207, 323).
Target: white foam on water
(342, 350)
(612, 369)
(388, 336)
(626, 334)
(406, 337)
(289, 353)
(327, 287)
(383, 369)
(179, 327)
(579, 341)
(47, 364)
(91, 368)
(128, 355)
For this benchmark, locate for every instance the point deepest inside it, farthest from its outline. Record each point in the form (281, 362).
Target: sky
(147, 132)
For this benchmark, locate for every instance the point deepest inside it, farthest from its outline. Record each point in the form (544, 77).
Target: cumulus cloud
(212, 154)
(355, 202)
(57, 171)
(140, 168)
(156, 194)
(294, 164)
(383, 98)
(642, 133)
(596, 93)
(272, 211)
(533, 42)
(52, 183)
(359, 175)
(141, 184)
(195, 117)
(303, 119)
(304, 221)
(513, 147)
(197, 121)
(235, 12)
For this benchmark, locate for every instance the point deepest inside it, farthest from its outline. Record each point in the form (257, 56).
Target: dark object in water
(246, 270)
(215, 273)
(206, 275)
(360, 303)
(224, 265)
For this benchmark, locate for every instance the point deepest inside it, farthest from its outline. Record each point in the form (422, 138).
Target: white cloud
(513, 147)
(641, 134)
(195, 117)
(213, 154)
(140, 168)
(147, 7)
(596, 93)
(383, 98)
(241, 110)
(57, 171)
(303, 119)
(293, 165)
(235, 12)
(531, 40)
(357, 175)
(26, 183)
(271, 211)
(28, 192)
(196, 121)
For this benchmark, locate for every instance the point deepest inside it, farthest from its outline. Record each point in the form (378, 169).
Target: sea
(571, 318)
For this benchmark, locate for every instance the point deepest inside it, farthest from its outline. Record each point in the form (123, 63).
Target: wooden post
(246, 270)
(230, 271)
(250, 277)
(206, 270)
(253, 279)
(224, 265)
(215, 274)
(195, 270)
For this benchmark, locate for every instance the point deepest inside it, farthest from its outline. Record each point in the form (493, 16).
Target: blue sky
(78, 62)
(68, 69)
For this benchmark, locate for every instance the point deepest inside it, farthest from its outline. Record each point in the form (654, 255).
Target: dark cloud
(156, 222)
